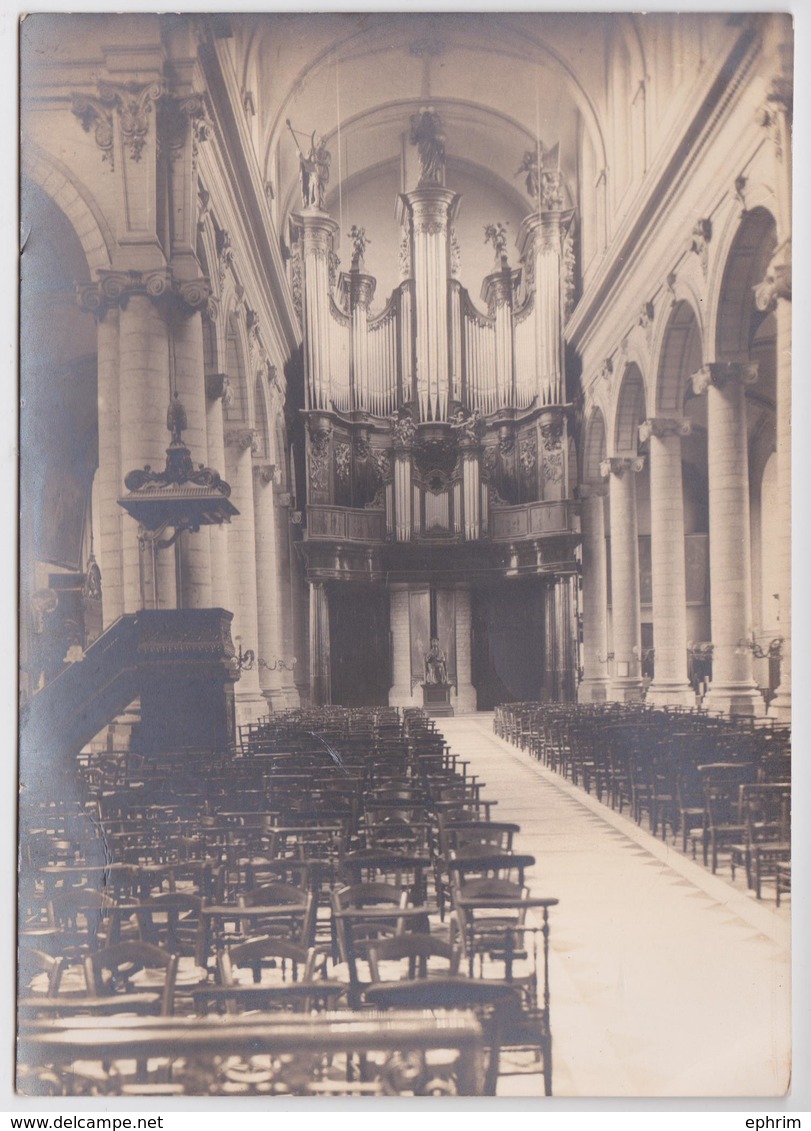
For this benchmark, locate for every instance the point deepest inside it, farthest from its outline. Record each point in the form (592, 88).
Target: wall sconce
(603, 659)
(772, 651)
(245, 661)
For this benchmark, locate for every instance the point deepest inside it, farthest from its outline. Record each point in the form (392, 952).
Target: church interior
(405, 555)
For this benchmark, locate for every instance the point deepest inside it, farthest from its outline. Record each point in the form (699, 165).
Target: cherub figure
(360, 242)
(496, 234)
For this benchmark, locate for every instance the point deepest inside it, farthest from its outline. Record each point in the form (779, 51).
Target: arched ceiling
(500, 83)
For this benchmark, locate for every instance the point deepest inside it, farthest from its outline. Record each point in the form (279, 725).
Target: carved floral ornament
(134, 105)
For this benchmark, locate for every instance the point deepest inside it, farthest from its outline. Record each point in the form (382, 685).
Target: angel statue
(529, 165)
(428, 135)
(496, 234)
(313, 169)
(360, 242)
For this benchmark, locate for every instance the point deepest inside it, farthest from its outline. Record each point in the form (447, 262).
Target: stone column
(250, 703)
(320, 674)
(733, 688)
(270, 645)
(594, 686)
(463, 698)
(144, 397)
(401, 693)
(218, 535)
(110, 473)
(775, 293)
(193, 549)
(294, 612)
(559, 640)
(670, 684)
(626, 681)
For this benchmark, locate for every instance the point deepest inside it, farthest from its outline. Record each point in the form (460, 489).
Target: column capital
(776, 282)
(241, 437)
(266, 472)
(619, 465)
(115, 288)
(720, 373)
(133, 102)
(357, 288)
(661, 426)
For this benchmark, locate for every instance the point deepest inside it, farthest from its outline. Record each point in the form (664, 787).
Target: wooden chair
(415, 951)
(120, 970)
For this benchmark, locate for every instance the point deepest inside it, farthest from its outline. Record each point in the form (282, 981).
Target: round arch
(630, 410)
(681, 355)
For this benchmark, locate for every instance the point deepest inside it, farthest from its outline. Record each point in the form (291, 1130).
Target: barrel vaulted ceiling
(500, 83)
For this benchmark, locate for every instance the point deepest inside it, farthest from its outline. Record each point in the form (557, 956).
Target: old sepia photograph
(405, 556)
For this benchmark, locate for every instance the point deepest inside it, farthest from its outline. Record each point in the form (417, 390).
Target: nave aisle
(665, 980)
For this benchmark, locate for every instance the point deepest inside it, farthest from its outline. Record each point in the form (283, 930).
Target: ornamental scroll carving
(343, 461)
(552, 440)
(320, 436)
(403, 430)
(134, 104)
(527, 455)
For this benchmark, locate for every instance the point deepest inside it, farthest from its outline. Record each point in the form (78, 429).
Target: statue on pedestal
(428, 135)
(360, 242)
(436, 664)
(496, 234)
(313, 170)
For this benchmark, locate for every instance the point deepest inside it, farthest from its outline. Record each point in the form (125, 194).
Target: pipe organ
(437, 429)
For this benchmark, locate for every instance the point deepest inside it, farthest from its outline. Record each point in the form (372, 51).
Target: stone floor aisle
(665, 980)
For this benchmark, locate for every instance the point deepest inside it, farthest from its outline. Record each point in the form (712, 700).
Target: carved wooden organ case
(433, 423)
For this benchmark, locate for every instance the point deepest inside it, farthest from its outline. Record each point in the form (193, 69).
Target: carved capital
(95, 115)
(621, 465)
(661, 426)
(133, 103)
(266, 473)
(242, 438)
(720, 373)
